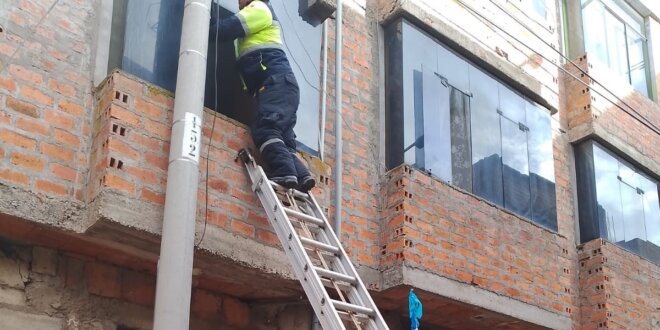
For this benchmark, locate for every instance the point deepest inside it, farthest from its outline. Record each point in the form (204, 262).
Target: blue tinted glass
(486, 143)
(608, 195)
(303, 48)
(512, 105)
(152, 39)
(515, 168)
(414, 60)
(651, 210)
(541, 166)
(633, 214)
(437, 139)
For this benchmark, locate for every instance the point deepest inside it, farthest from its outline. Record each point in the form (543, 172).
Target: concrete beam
(482, 298)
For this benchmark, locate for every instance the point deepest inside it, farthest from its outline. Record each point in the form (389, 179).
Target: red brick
(32, 125)
(236, 312)
(71, 108)
(8, 175)
(122, 150)
(60, 119)
(158, 161)
(268, 237)
(158, 129)
(63, 172)
(67, 138)
(124, 116)
(242, 228)
(206, 305)
(36, 95)
(152, 196)
(51, 187)
(150, 110)
(138, 288)
(26, 74)
(22, 107)
(103, 280)
(32, 163)
(56, 152)
(61, 88)
(113, 181)
(7, 84)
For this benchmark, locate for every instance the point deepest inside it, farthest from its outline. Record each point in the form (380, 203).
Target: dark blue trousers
(272, 128)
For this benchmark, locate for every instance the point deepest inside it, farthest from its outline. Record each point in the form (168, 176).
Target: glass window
(451, 119)
(614, 36)
(145, 42)
(625, 200)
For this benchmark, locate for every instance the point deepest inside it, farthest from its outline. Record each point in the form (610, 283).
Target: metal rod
(338, 120)
(174, 282)
(324, 90)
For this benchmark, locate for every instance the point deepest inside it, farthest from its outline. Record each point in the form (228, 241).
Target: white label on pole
(192, 137)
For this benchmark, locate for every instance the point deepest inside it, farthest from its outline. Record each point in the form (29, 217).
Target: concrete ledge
(457, 39)
(15, 320)
(593, 130)
(482, 298)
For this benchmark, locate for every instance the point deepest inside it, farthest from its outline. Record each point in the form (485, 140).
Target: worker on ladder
(268, 77)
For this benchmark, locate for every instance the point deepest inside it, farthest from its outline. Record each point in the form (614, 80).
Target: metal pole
(338, 120)
(173, 288)
(324, 90)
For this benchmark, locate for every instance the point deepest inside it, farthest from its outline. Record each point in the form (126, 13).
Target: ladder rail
(284, 230)
(361, 293)
(336, 269)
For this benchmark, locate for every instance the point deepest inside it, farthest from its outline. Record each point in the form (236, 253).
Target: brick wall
(591, 105)
(50, 289)
(45, 63)
(618, 290)
(446, 231)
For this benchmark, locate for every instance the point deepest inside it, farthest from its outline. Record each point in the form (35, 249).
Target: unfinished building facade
(500, 157)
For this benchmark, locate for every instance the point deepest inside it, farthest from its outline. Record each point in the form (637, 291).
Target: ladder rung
(342, 286)
(319, 245)
(296, 193)
(347, 316)
(352, 308)
(303, 216)
(335, 276)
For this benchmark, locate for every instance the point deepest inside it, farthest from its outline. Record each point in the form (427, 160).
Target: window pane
(512, 105)
(437, 140)
(616, 45)
(651, 210)
(609, 195)
(486, 143)
(515, 169)
(151, 42)
(633, 214)
(540, 7)
(303, 49)
(637, 64)
(413, 59)
(593, 23)
(541, 166)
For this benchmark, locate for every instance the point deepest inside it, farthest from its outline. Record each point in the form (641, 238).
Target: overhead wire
(649, 125)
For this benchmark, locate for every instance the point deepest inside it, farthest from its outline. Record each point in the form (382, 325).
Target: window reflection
(628, 210)
(145, 42)
(465, 127)
(613, 35)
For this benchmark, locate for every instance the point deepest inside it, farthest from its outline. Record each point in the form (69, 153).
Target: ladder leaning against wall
(333, 287)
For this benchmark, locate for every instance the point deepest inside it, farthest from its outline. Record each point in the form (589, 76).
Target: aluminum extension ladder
(317, 257)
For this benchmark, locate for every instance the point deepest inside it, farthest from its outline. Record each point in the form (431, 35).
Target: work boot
(288, 182)
(306, 184)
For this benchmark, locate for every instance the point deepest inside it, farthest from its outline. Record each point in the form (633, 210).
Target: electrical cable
(215, 116)
(570, 61)
(643, 122)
